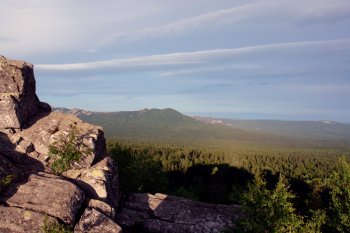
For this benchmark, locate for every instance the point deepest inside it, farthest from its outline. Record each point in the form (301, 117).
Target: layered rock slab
(160, 213)
(16, 220)
(48, 194)
(18, 101)
(93, 221)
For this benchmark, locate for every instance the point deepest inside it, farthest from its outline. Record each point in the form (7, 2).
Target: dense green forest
(226, 174)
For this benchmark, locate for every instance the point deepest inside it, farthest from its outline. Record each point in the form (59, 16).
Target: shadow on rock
(161, 213)
(18, 166)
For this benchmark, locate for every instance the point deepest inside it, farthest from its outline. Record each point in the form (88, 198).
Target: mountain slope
(317, 130)
(157, 123)
(171, 124)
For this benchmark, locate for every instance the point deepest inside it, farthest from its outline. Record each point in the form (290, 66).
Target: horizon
(277, 60)
(227, 116)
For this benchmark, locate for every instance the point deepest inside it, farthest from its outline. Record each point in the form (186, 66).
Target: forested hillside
(164, 124)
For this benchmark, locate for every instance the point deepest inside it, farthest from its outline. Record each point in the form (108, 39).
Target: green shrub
(67, 150)
(272, 211)
(54, 227)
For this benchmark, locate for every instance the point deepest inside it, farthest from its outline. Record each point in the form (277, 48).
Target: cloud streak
(266, 12)
(198, 57)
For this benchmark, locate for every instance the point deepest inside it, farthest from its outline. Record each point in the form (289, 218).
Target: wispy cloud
(265, 12)
(198, 57)
(214, 17)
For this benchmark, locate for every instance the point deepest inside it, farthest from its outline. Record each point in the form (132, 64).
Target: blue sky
(254, 59)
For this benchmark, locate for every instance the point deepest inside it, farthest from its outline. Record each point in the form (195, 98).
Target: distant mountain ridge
(169, 123)
(322, 130)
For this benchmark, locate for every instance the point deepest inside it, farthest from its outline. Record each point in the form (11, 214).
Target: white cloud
(256, 12)
(64, 26)
(201, 57)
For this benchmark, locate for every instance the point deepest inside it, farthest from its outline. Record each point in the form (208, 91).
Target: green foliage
(138, 172)
(339, 186)
(54, 227)
(67, 150)
(5, 182)
(303, 163)
(191, 193)
(272, 211)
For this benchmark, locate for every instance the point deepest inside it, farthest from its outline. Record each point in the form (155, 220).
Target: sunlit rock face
(18, 101)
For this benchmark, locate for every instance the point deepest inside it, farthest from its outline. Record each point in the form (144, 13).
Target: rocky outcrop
(44, 131)
(29, 193)
(93, 221)
(18, 101)
(160, 213)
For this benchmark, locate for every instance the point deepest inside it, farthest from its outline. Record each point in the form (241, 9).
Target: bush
(67, 150)
(272, 211)
(54, 227)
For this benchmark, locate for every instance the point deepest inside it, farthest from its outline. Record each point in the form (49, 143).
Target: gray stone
(160, 213)
(103, 207)
(101, 182)
(16, 220)
(18, 101)
(47, 194)
(51, 128)
(93, 221)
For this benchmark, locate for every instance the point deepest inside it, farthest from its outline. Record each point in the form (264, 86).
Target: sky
(243, 59)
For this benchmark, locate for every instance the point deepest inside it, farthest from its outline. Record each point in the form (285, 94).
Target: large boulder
(93, 221)
(48, 194)
(101, 182)
(18, 101)
(160, 213)
(16, 220)
(46, 130)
